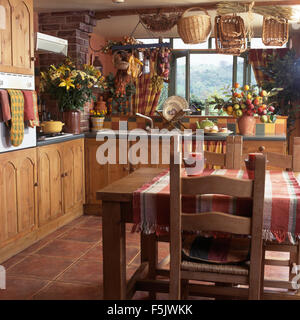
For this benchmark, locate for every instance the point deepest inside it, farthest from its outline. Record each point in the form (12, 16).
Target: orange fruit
(236, 85)
(246, 87)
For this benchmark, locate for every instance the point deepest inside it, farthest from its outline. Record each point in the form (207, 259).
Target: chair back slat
(279, 160)
(215, 184)
(286, 162)
(216, 221)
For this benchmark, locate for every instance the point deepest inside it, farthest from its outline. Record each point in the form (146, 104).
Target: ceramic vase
(72, 121)
(247, 125)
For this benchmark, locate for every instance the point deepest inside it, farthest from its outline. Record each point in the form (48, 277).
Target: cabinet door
(6, 38)
(73, 168)
(68, 179)
(18, 194)
(18, 37)
(27, 191)
(79, 186)
(50, 183)
(96, 174)
(8, 200)
(117, 171)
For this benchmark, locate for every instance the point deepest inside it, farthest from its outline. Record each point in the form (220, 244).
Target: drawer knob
(261, 148)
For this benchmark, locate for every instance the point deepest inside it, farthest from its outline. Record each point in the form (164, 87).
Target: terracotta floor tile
(93, 222)
(277, 255)
(70, 291)
(87, 271)
(95, 253)
(78, 221)
(131, 253)
(35, 247)
(65, 248)
(276, 273)
(136, 261)
(13, 260)
(43, 267)
(133, 239)
(21, 289)
(58, 233)
(83, 235)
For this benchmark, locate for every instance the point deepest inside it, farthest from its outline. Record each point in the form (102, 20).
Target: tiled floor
(67, 264)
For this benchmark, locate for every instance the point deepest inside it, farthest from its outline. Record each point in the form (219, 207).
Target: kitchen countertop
(59, 139)
(92, 135)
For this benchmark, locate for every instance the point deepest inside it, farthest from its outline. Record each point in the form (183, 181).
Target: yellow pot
(52, 126)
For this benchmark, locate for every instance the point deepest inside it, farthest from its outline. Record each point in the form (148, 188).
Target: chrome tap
(148, 118)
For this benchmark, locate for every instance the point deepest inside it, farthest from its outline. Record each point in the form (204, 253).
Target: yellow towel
(17, 117)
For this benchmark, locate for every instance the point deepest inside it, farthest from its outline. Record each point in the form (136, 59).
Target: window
(198, 72)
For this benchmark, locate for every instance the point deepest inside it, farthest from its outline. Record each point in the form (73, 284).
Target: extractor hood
(47, 43)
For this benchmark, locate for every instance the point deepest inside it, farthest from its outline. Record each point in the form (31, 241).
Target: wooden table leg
(114, 252)
(149, 249)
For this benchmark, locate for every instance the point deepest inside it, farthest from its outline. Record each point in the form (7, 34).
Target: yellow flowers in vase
(72, 87)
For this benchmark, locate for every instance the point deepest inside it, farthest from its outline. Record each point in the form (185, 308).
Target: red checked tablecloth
(151, 204)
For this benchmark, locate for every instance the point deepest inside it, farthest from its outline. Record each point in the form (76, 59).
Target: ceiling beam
(205, 5)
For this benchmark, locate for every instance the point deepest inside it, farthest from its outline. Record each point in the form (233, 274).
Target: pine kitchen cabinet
(41, 189)
(61, 180)
(18, 198)
(17, 40)
(98, 176)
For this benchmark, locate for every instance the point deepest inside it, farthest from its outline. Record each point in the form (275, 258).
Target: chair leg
(263, 271)
(184, 289)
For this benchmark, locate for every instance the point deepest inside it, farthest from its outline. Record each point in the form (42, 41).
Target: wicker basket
(160, 22)
(194, 29)
(275, 31)
(230, 35)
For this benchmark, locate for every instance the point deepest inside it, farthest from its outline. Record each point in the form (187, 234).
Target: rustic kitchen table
(120, 206)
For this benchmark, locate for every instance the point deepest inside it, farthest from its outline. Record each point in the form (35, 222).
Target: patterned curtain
(148, 89)
(258, 58)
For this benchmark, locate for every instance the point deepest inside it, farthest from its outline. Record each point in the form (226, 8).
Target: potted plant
(97, 118)
(72, 88)
(246, 104)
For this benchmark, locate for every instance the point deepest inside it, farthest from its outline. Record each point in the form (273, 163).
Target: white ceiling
(116, 27)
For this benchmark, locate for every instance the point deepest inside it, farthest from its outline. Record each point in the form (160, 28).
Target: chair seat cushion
(216, 250)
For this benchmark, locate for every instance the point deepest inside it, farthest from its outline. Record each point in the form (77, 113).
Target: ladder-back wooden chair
(232, 159)
(181, 271)
(286, 162)
(290, 163)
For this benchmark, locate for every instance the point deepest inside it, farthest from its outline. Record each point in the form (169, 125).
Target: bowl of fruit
(248, 103)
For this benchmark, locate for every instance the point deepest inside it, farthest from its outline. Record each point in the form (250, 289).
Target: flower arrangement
(97, 114)
(70, 86)
(247, 100)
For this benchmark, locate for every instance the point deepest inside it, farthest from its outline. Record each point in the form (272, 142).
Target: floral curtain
(148, 89)
(258, 58)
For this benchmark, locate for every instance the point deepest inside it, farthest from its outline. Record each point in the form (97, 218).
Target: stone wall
(74, 26)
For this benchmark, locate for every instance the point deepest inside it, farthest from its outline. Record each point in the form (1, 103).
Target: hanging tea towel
(5, 115)
(17, 117)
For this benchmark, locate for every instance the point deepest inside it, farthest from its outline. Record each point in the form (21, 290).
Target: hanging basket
(194, 29)
(230, 35)
(160, 22)
(275, 31)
